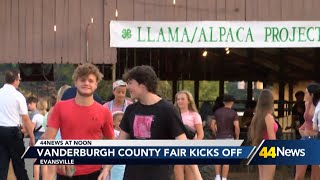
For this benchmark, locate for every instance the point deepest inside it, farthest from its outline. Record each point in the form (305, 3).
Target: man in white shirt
(13, 107)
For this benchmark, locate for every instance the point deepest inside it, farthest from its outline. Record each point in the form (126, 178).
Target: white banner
(205, 34)
(138, 143)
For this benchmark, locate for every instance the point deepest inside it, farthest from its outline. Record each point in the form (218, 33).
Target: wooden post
(113, 72)
(249, 91)
(221, 88)
(290, 97)
(174, 89)
(196, 92)
(316, 65)
(282, 84)
(281, 99)
(250, 59)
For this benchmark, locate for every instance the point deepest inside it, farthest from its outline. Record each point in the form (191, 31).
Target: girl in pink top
(306, 130)
(190, 117)
(262, 127)
(119, 103)
(275, 129)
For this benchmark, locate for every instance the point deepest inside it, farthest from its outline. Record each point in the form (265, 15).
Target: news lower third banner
(173, 152)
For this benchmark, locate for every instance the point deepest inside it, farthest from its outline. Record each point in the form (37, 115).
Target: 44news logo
(273, 152)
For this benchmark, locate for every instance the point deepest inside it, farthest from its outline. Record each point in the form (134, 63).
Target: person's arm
(198, 126)
(213, 127)
(53, 123)
(107, 130)
(200, 133)
(315, 120)
(236, 128)
(270, 126)
(124, 125)
(302, 128)
(29, 127)
(50, 133)
(106, 168)
(123, 135)
(26, 122)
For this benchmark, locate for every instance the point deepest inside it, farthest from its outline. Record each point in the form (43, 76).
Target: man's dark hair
(299, 93)
(11, 76)
(228, 98)
(143, 75)
(32, 99)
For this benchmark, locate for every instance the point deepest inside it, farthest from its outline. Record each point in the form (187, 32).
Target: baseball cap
(116, 113)
(118, 83)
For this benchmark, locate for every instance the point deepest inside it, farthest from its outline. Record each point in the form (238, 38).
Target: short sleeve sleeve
(107, 129)
(197, 118)
(125, 122)
(23, 109)
(54, 120)
(106, 105)
(175, 124)
(35, 118)
(236, 118)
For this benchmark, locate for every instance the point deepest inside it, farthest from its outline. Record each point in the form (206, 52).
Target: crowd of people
(79, 113)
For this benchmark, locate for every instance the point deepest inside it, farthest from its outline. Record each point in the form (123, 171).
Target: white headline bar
(147, 143)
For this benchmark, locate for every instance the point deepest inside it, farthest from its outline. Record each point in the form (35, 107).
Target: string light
(174, 1)
(116, 9)
(227, 50)
(54, 28)
(205, 53)
(92, 20)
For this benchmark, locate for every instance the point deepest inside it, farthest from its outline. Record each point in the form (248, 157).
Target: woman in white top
(37, 120)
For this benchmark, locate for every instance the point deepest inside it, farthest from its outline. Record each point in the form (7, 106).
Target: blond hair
(192, 105)
(42, 106)
(61, 91)
(117, 114)
(85, 70)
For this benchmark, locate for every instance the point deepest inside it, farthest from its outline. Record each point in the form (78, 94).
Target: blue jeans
(37, 135)
(309, 137)
(117, 172)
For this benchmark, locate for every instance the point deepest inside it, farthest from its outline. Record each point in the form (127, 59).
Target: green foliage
(209, 90)
(63, 74)
(232, 89)
(186, 85)
(165, 90)
(104, 89)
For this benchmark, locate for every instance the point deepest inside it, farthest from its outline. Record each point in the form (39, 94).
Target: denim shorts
(309, 137)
